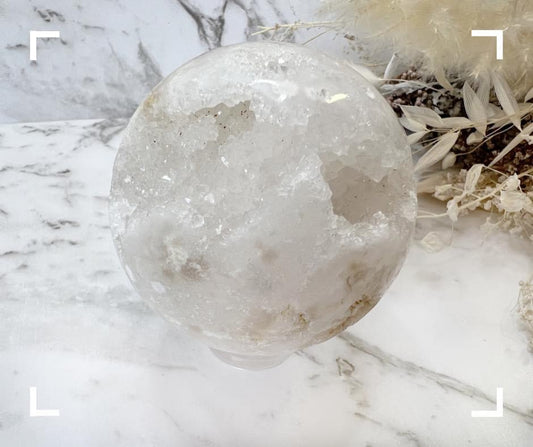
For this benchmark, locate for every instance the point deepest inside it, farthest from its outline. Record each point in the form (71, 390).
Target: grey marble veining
(113, 52)
(435, 348)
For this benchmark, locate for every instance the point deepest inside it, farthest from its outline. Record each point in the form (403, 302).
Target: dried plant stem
(296, 26)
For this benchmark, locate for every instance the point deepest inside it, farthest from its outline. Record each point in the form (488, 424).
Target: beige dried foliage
(483, 188)
(525, 306)
(438, 34)
(486, 117)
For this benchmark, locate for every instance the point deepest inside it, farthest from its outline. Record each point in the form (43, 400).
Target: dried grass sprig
(487, 119)
(285, 31)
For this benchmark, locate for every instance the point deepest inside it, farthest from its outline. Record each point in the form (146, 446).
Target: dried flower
(525, 306)
(437, 34)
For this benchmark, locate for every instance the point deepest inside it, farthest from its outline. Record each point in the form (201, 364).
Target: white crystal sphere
(263, 199)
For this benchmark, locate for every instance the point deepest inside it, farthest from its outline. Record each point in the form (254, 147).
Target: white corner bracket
(498, 413)
(34, 411)
(34, 35)
(498, 33)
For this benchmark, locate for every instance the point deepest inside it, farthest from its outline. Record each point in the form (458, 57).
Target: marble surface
(113, 52)
(438, 344)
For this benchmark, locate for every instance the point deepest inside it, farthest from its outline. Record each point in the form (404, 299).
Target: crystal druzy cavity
(263, 199)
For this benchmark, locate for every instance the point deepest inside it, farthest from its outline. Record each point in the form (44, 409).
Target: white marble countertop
(436, 347)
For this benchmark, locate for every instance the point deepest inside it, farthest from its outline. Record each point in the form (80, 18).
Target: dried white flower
(438, 33)
(525, 306)
(433, 242)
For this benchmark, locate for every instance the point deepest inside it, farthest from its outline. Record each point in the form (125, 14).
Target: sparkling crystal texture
(263, 199)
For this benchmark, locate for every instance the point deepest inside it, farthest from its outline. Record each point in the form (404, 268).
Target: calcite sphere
(263, 199)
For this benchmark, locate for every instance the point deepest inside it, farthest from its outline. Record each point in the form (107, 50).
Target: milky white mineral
(263, 199)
